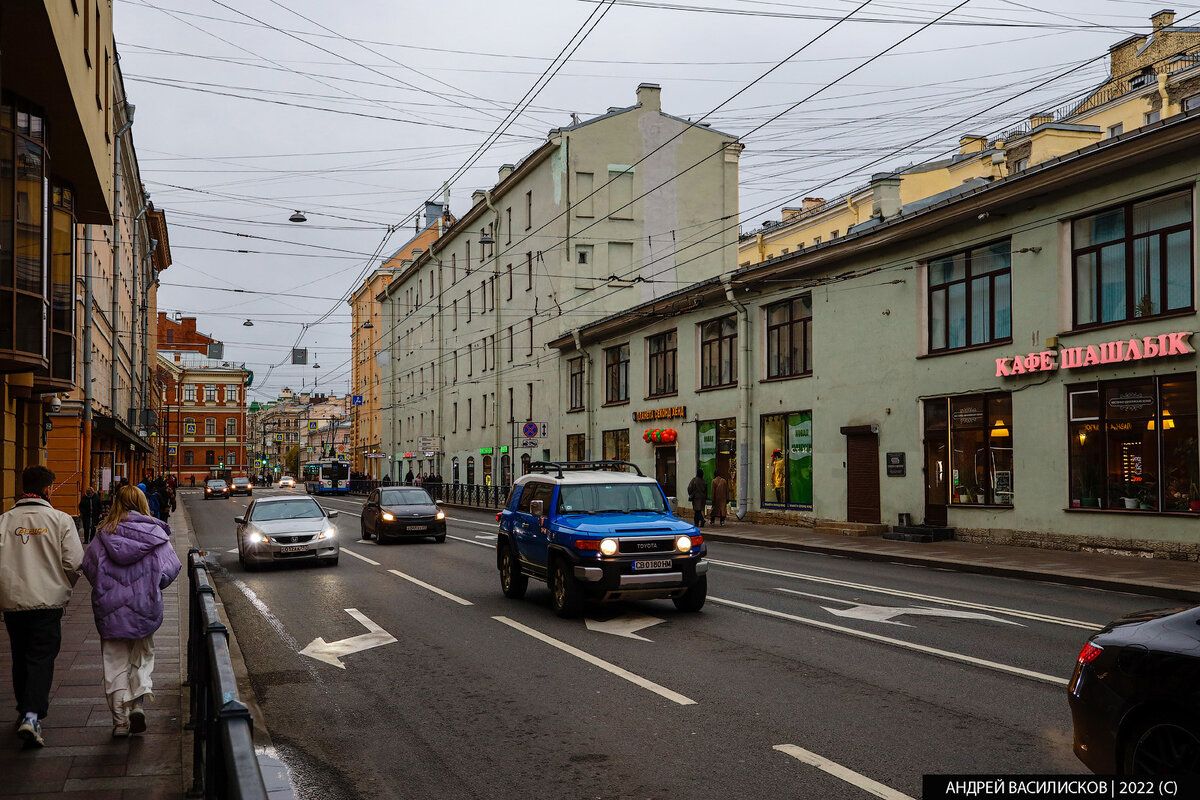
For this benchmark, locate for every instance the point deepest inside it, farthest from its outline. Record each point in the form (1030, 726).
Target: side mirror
(537, 507)
(437, 502)
(671, 505)
(240, 520)
(331, 513)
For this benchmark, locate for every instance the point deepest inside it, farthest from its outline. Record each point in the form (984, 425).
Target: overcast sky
(248, 111)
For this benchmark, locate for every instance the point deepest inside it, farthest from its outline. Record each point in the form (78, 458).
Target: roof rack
(558, 466)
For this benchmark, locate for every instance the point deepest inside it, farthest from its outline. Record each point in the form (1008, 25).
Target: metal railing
(458, 494)
(224, 764)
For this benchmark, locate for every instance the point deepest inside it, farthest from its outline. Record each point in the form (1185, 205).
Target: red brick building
(203, 416)
(182, 335)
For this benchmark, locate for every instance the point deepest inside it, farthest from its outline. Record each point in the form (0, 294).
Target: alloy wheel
(1167, 749)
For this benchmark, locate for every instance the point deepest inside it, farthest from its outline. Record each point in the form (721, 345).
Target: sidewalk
(1176, 580)
(81, 759)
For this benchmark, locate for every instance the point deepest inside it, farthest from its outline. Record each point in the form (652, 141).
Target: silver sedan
(275, 530)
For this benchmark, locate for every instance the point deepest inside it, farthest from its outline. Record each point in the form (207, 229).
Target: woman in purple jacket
(129, 563)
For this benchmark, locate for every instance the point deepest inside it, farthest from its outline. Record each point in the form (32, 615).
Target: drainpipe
(743, 412)
(88, 300)
(588, 405)
(118, 151)
(487, 199)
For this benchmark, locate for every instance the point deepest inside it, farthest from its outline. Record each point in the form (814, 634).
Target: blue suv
(592, 532)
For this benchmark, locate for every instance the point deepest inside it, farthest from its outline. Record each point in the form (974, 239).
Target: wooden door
(862, 475)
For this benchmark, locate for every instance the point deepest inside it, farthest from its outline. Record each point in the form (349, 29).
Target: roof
(615, 112)
(586, 477)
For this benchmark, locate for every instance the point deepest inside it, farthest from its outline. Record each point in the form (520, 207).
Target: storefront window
(980, 437)
(787, 466)
(616, 445)
(575, 446)
(716, 450)
(1133, 444)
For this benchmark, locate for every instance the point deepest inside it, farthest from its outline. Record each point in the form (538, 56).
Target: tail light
(498, 516)
(1089, 653)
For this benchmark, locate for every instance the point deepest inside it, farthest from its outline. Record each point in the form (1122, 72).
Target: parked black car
(393, 512)
(1135, 695)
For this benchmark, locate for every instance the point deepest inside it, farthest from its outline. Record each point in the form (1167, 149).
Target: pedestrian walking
(697, 492)
(720, 499)
(129, 563)
(40, 555)
(151, 500)
(408, 478)
(387, 479)
(89, 513)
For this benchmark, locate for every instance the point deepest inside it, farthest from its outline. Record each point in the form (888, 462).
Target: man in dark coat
(89, 513)
(697, 492)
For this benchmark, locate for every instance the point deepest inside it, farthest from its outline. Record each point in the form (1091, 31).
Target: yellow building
(1151, 77)
(366, 333)
(56, 153)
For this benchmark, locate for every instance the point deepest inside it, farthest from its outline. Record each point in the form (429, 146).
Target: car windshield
(405, 497)
(240, 481)
(217, 484)
(286, 509)
(598, 498)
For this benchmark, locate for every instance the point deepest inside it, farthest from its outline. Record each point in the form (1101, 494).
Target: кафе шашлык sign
(1114, 352)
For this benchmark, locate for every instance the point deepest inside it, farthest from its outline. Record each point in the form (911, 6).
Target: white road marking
(886, 613)
(365, 541)
(331, 652)
(472, 522)
(490, 546)
(625, 625)
(431, 588)
(350, 552)
(638, 680)
(920, 648)
(1012, 612)
(234, 550)
(844, 773)
(491, 537)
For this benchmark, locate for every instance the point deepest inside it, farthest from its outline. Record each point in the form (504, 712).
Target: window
(508, 225)
(529, 271)
(1116, 130)
(529, 209)
(468, 305)
(189, 393)
(576, 447)
(454, 314)
(620, 193)
(575, 384)
(979, 438)
(210, 457)
(1151, 117)
(661, 351)
(616, 445)
(230, 428)
(718, 343)
(492, 286)
(616, 374)
(787, 467)
(470, 359)
(529, 325)
(454, 418)
(210, 426)
(789, 337)
(585, 189)
(512, 406)
(970, 297)
(1133, 261)
(23, 289)
(470, 470)
(453, 268)
(210, 394)
(189, 458)
(231, 394)
(469, 414)
(529, 398)
(511, 336)
(1133, 444)
(1191, 103)
(509, 271)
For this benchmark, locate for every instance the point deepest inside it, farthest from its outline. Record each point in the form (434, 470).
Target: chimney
(1162, 19)
(885, 195)
(416, 253)
(1040, 118)
(791, 213)
(809, 203)
(433, 212)
(505, 171)
(649, 96)
(971, 143)
(477, 196)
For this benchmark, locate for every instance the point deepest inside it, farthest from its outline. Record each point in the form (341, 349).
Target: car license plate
(664, 563)
(296, 548)
(418, 527)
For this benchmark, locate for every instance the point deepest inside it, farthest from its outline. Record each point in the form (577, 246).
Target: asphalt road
(481, 696)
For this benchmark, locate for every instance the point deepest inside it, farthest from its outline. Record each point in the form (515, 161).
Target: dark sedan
(393, 512)
(1135, 695)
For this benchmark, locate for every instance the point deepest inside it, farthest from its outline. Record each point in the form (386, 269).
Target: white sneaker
(137, 718)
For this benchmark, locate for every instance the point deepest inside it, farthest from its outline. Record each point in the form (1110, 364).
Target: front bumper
(272, 553)
(614, 578)
(415, 528)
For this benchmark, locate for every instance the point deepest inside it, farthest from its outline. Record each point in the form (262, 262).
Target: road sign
(333, 652)
(189, 428)
(530, 430)
(172, 449)
(356, 400)
(313, 424)
(528, 444)
(429, 444)
(279, 437)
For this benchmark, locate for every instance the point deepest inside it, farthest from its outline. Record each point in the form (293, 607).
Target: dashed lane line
(489, 546)
(431, 588)
(875, 637)
(350, 552)
(607, 666)
(843, 773)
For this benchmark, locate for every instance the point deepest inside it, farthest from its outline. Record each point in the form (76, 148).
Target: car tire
(512, 583)
(565, 594)
(248, 565)
(693, 599)
(379, 537)
(330, 562)
(1152, 744)
(362, 531)
(440, 538)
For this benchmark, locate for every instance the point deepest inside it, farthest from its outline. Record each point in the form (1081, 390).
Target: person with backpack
(129, 563)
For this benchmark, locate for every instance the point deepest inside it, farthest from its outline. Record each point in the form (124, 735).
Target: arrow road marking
(332, 652)
(625, 625)
(838, 771)
(885, 614)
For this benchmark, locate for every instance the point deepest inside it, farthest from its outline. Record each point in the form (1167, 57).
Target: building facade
(1015, 362)
(181, 334)
(366, 451)
(588, 223)
(204, 417)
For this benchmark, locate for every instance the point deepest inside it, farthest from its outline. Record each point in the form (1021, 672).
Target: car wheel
(1162, 747)
(362, 531)
(564, 590)
(330, 562)
(512, 583)
(248, 564)
(379, 537)
(693, 598)
(440, 538)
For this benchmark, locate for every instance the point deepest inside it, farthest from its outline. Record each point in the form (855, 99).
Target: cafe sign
(1115, 352)
(671, 412)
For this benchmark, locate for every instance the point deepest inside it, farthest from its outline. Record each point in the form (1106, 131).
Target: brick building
(203, 416)
(181, 334)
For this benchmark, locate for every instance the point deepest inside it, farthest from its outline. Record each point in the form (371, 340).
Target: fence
(455, 494)
(224, 764)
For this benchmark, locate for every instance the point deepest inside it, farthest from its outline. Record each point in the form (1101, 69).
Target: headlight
(441, 515)
(608, 547)
(388, 516)
(328, 533)
(684, 544)
(256, 538)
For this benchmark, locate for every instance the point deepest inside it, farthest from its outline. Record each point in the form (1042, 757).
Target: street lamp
(485, 236)
(297, 216)
(366, 326)
(247, 324)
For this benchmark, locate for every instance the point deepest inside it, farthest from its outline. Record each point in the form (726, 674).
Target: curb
(1108, 584)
